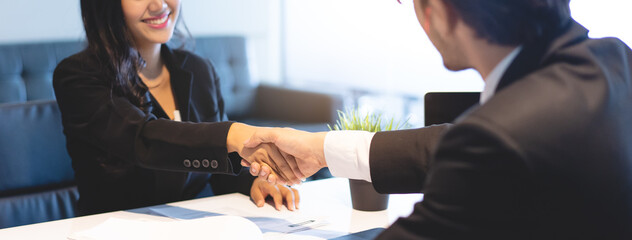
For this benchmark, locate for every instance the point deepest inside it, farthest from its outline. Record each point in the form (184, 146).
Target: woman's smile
(150, 22)
(158, 22)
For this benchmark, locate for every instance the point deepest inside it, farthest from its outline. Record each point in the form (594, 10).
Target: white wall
(379, 45)
(375, 45)
(40, 20)
(604, 18)
(258, 20)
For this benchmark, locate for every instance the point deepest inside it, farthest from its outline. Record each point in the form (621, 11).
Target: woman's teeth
(158, 21)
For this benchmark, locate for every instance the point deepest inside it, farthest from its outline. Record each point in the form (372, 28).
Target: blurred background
(372, 52)
(281, 63)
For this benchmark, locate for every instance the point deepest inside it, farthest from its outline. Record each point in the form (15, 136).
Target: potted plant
(363, 195)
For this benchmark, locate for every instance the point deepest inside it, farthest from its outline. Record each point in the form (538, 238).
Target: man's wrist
(321, 152)
(347, 154)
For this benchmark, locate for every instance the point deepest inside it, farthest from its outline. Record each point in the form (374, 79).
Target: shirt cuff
(347, 154)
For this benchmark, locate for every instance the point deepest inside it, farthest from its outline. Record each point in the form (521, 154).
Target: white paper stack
(219, 227)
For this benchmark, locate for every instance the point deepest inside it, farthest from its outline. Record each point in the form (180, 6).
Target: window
(377, 50)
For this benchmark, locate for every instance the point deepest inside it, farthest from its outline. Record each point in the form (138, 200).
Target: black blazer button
(187, 163)
(205, 163)
(196, 163)
(214, 164)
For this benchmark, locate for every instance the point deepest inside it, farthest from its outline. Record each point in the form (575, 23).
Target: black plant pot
(365, 198)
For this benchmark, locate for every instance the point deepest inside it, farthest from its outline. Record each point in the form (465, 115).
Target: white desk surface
(327, 198)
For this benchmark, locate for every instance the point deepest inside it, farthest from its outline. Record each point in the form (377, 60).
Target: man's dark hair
(512, 22)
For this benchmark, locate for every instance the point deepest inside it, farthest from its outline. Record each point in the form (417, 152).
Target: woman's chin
(160, 39)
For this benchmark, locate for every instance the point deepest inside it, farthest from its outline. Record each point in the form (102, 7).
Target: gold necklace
(151, 84)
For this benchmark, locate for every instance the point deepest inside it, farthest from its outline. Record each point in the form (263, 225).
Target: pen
(301, 223)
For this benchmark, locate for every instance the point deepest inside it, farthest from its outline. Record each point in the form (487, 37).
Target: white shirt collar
(491, 82)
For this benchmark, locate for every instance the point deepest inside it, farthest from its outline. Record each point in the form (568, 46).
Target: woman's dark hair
(109, 39)
(513, 22)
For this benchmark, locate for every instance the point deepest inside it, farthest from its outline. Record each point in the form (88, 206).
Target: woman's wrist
(237, 135)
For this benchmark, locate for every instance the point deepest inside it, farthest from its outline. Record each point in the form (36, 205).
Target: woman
(122, 100)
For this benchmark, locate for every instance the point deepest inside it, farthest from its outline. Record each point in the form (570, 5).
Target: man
(546, 155)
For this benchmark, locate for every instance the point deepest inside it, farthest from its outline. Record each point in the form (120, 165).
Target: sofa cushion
(32, 147)
(26, 70)
(230, 59)
(12, 87)
(38, 207)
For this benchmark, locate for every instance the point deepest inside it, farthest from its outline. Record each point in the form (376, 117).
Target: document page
(282, 224)
(219, 227)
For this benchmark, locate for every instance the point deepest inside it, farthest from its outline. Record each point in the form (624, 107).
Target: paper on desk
(274, 221)
(287, 225)
(288, 222)
(181, 213)
(220, 227)
(273, 224)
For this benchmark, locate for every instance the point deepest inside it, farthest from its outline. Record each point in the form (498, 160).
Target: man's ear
(427, 11)
(448, 13)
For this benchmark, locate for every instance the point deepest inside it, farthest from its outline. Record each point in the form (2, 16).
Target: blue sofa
(36, 177)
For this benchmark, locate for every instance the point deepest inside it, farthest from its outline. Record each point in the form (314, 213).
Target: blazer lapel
(181, 81)
(526, 62)
(156, 108)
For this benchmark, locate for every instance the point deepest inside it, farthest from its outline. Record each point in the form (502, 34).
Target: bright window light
(378, 46)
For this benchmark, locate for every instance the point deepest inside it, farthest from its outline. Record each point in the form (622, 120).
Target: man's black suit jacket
(548, 157)
(124, 158)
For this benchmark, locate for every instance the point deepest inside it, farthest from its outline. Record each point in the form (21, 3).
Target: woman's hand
(261, 189)
(263, 154)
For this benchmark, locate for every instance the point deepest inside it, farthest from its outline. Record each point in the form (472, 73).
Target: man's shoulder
(578, 75)
(608, 54)
(568, 94)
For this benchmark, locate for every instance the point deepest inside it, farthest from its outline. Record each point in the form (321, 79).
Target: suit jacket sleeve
(223, 184)
(473, 186)
(399, 160)
(90, 112)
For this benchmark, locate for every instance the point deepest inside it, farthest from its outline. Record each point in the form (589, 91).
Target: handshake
(278, 155)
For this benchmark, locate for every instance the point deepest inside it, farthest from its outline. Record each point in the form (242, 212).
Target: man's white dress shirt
(347, 152)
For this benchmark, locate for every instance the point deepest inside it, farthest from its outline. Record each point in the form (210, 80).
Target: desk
(329, 198)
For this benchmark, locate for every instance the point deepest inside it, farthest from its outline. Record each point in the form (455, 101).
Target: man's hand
(303, 152)
(265, 154)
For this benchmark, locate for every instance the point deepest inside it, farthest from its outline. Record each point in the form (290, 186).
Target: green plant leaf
(372, 122)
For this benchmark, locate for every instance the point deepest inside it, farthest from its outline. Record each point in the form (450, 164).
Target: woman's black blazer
(124, 158)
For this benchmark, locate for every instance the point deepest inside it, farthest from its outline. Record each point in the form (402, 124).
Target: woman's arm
(91, 113)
